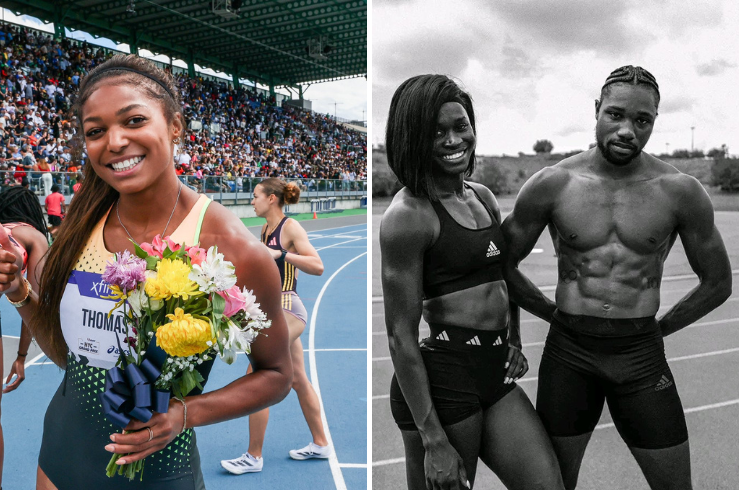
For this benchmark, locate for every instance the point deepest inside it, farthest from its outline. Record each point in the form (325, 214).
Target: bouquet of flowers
(181, 307)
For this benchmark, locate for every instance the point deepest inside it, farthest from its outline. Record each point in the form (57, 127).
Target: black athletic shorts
(589, 360)
(55, 220)
(465, 372)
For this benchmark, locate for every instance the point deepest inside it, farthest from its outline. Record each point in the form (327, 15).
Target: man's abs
(609, 282)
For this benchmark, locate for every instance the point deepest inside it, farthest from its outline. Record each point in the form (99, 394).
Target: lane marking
(337, 244)
(332, 460)
(353, 465)
(386, 462)
(333, 350)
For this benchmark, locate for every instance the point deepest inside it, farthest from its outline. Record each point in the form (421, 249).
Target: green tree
(543, 146)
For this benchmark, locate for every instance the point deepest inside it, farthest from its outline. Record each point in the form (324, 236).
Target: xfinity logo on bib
(90, 284)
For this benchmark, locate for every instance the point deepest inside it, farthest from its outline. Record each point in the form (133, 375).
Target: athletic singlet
(462, 257)
(287, 271)
(75, 428)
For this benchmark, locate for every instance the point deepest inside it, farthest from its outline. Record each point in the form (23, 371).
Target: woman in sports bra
(454, 396)
(23, 220)
(288, 243)
(130, 121)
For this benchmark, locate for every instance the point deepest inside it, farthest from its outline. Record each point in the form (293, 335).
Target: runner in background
(288, 242)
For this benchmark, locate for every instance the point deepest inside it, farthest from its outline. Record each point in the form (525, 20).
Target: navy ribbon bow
(129, 392)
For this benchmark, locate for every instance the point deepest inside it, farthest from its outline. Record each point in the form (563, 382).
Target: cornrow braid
(20, 205)
(633, 75)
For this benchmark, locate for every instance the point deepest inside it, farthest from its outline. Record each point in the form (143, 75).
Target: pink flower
(172, 245)
(126, 272)
(235, 301)
(156, 248)
(197, 255)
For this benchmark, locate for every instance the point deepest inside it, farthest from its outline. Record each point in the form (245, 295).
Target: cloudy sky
(534, 67)
(350, 95)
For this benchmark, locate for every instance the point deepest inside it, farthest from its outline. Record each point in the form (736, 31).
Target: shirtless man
(614, 213)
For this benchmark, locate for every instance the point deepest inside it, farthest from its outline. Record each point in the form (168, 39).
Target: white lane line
(332, 350)
(353, 465)
(332, 460)
(10, 337)
(337, 244)
(380, 397)
(385, 462)
(702, 408)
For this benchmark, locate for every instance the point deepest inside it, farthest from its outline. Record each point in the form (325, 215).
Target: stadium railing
(219, 188)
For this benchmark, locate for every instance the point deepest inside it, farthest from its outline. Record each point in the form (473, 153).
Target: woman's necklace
(118, 202)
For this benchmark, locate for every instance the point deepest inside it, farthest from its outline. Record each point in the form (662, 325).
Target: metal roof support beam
(133, 44)
(236, 77)
(190, 63)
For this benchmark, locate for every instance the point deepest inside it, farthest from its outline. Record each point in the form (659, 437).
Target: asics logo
(663, 383)
(492, 250)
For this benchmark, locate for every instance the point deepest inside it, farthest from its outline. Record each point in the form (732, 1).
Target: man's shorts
(55, 220)
(589, 360)
(465, 368)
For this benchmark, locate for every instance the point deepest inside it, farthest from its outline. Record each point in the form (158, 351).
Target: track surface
(703, 357)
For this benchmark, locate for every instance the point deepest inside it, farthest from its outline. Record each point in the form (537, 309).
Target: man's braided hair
(633, 75)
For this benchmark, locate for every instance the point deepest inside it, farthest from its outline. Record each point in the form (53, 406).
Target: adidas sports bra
(462, 257)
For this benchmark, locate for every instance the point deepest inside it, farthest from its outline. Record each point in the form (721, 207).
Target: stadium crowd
(237, 134)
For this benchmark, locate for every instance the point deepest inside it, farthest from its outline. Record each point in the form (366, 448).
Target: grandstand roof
(265, 41)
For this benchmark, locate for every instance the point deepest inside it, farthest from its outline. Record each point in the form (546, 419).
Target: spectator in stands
(55, 208)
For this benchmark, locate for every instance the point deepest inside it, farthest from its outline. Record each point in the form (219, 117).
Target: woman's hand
(19, 369)
(516, 364)
(276, 254)
(444, 469)
(11, 262)
(140, 442)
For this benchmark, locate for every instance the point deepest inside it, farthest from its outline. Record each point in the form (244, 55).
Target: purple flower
(125, 272)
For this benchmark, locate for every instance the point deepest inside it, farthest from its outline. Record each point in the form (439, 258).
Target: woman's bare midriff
(482, 307)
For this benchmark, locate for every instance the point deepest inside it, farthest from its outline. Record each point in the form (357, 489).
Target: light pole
(667, 146)
(335, 104)
(692, 137)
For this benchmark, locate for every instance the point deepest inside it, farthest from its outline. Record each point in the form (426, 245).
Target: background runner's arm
(522, 229)
(306, 259)
(707, 256)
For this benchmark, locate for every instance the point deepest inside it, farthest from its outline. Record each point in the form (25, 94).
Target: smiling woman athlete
(130, 117)
(453, 397)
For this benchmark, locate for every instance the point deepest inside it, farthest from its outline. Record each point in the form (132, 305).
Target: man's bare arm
(706, 254)
(522, 229)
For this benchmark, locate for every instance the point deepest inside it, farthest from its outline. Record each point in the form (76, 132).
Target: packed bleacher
(234, 136)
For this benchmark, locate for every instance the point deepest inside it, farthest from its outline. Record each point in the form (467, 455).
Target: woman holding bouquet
(130, 120)
(454, 397)
(292, 251)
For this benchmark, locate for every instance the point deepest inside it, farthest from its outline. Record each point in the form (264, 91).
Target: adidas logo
(443, 336)
(663, 383)
(473, 341)
(498, 341)
(273, 241)
(492, 250)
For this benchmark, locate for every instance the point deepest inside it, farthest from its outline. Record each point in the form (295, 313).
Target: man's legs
(569, 403)
(665, 469)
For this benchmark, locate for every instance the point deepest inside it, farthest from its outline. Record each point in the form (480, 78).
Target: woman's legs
(258, 420)
(307, 397)
(516, 446)
(464, 437)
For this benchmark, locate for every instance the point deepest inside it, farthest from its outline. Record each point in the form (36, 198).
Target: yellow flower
(171, 280)
(185, 335)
